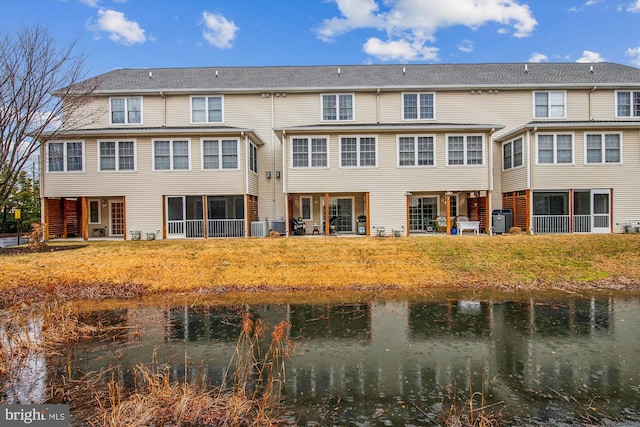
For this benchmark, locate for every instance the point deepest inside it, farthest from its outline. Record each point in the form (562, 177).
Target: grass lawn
(479, 262)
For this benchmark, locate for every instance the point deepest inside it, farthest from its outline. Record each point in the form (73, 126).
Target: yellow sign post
(17, 213)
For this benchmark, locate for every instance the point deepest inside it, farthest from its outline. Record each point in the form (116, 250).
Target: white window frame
(65, 160)
(310, 208)
(602, 148)
(126, 110)
(117, 169)
(465, 160)
(358, 165)
(433, 95)
(206, 105)
(549, 105)
(512, 153)
(253, 158)
(555, 148)
(337, 96)
(309, 151)
(99, 211)
(220, 163)
(415, 151)
(631, 97)
(171, 155)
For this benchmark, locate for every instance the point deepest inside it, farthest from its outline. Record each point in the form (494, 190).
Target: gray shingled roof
(356, 77)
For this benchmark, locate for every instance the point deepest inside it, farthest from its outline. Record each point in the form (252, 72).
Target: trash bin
(362, 225)
(502, 220)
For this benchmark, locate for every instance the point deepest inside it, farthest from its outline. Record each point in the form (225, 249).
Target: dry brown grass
(522, 262)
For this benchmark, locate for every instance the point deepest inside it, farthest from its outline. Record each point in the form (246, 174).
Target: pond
(538, 360)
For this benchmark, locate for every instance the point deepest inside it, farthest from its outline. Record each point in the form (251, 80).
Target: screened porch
(572, 211)
(225, 216)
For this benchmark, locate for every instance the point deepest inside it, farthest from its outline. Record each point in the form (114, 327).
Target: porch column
(46, 219)
(571, 210)
(124, 218)
(368, 213)
(527, 199)
(205, 224)
(326, 214)
(408, 219)
(164, 217)
(64, 218)
(246, 215)
(85, 218)
(447, 203)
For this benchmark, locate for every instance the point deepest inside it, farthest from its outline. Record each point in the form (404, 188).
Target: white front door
(600, 211)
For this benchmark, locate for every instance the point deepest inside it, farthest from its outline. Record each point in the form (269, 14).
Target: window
(222, 154)
(117, 155)
(628, 104)
(549, 104)
(253, 158)
(358, 151)
(305, 208)
(65, 156)
(453, 206)
(555, 149)
(206, 109)
(171, 155)
(603, 148)
(94, 212)
(465, 150)
(416, 151)
(337, 107)
(512, 154)
(309, 152)
(418, 106)
(126, 111)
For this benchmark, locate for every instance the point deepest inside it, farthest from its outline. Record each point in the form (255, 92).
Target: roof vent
(216, 73)
(150, 75)
(339, 72)
(404, 71)
(591, 69)
(526, 68)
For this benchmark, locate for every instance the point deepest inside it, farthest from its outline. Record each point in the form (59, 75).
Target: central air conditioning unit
(259, 229)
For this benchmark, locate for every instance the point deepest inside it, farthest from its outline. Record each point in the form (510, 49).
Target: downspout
(490, 173)
(285, 189)
(273, 156)
(246, 162)
(529, 171)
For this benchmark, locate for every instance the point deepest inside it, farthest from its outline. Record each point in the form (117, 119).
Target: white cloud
(220, 32)
(538, 57)
(466, 46)
(118, 28)
(592, 2)
(91, 3)
(588, 56)
(399, 50)
(411, 24)
(634, 53)
(635, 7)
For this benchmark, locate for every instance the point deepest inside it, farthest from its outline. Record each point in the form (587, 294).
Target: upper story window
(416, 151)
(418, 106)
(549, 105)
(358, 151)
(126, 111)
(555, 148)
(337, 107)
(603, 148)
(512, 154)
(171, 155)
(206, 109)
(628, 104)
(253, 158)
(117, 155)
(465, 150)
(67, 156)
(220, 154)
(309, 152)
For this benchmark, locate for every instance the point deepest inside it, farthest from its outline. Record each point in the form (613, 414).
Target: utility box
(502, 220)
(278, 226)
(362, 225)
(259, 229)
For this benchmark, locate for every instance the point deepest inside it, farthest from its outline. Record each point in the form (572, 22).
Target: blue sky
(170, 33)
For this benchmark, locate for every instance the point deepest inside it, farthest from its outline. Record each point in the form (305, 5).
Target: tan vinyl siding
(603, 104)
(514, 179)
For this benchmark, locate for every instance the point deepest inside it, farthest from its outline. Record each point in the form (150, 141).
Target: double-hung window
(416, 151)
(358, 151)
(549, 105)
(309, 152)
(126, 111)
(337, 107)
(221, 154)
(206, 109)
(465, 150)
(253, 158)
(628, 104)
(418, 106)
(65, 156)
(117, 155)
(603, 148)
(512, 154)
(555, 149)
(171, 155)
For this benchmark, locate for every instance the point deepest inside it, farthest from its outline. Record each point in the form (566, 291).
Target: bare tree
(36, 80)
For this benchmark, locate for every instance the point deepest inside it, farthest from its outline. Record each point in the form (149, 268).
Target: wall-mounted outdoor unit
(259, 229)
